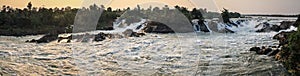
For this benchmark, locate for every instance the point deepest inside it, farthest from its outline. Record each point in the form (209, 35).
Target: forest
(40, 20)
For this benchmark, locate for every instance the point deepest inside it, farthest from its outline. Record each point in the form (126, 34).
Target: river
(179, 54)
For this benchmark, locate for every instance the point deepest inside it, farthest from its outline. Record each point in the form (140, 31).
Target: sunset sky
(242, 6)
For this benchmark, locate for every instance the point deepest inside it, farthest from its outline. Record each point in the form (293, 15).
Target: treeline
(270, 15)
(40, 20)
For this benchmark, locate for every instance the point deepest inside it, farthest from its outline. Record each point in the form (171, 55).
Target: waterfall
(121, 25)
(198, 27)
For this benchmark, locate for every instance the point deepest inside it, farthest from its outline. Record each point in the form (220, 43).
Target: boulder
(255, 49)
(283, 37)
(286, 24)
(127, 33)
(45, 39)
(100, 37)
(203, 27)
(266, 27)
(273, 52)
(131, 33)
(214, 27)
(157, 27)
(264, 50)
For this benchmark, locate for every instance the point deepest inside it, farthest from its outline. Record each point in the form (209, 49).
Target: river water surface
(153, 54)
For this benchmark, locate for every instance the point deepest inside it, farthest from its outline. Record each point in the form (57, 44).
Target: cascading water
(121, 25)
(153, 54)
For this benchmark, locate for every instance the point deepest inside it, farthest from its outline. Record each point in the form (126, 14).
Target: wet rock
(112, 36)
(226, 30)
(283, 37)
(43, 58)
(273, 52)
(131, 33)
(268, 27)
(214, 27)
(255, 49)
(128, 33)
(200, 24)
(45, 39)
(264, 50)
(157, 27)
(138, 34)
(297, 23)
(286, 24)
(100, 36)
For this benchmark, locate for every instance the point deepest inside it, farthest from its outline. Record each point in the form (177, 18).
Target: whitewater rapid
(192, 54)
(154, 54)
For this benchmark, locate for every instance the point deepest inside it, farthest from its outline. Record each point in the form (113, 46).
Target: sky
(242, 6)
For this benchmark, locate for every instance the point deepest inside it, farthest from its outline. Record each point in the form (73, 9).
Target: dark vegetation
(274, 15)
(39, 20)
(290, 53)
(226, 15)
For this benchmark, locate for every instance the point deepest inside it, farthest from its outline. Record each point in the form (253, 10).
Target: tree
(29, 5)
(196, 14)
(109, 9)
(225, 15)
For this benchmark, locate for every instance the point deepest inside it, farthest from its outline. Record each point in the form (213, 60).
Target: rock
(214, 27)
(100, 37)
(266, 27)
(276, 28)
(255, 49)
(157, 27)
(297, 23)
(138, 34)
(265, 50)
(111, 36)
(45, 39)
(199, 25)
(226, 30)
(273, 52)
(283, 37)
(131, 33)
(286, 24)
(127, 33)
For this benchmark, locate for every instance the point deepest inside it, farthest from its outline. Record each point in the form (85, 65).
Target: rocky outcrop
(199, 25)
(127, 33)
(45, 39)
(288, 54)
(157, 27)
(214, 27)
(283, 37)
(268, 27)
(100, 36)
(86, 37)
(270, 51)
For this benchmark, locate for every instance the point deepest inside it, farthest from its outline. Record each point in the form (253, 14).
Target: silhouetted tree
(29, 5)
(196, 14)
(109, 9)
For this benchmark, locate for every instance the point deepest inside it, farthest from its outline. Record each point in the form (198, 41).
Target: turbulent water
(154, 54)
